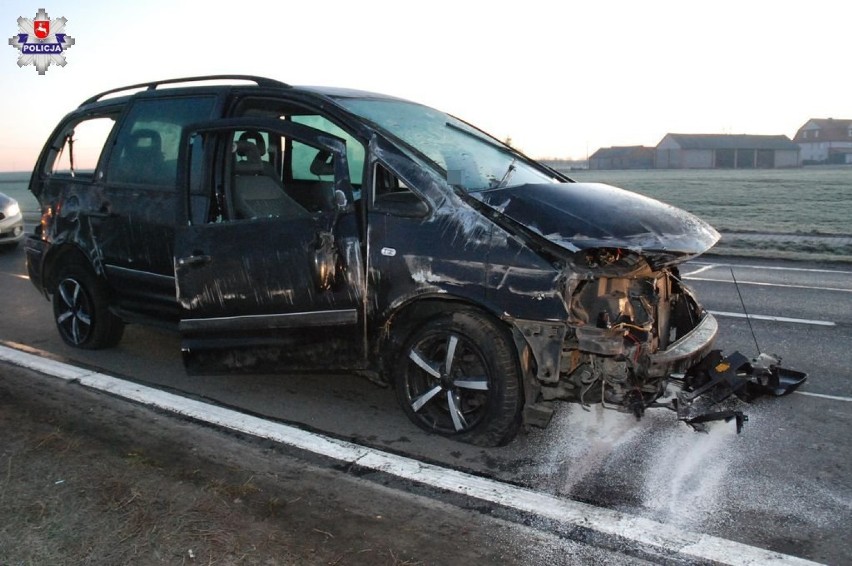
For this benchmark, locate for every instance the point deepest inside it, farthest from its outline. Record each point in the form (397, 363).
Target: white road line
(699, 270)
(650, 534)
(787, 285)
(774, 318)
(824, 396)
(18, 275)
(770, 267)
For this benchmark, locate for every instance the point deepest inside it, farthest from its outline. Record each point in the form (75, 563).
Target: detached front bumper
(686, 351)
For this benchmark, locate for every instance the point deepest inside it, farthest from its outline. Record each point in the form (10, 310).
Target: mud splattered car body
(298, 228)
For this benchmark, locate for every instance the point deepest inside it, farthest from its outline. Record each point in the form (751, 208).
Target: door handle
(193, 260)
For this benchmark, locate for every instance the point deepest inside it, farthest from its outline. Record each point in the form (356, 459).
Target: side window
(387, 183)
(391, 195)
(79, 147)
(310, 164)
(304, 156)
(146, 149)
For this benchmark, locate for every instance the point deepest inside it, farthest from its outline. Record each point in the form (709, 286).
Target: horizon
(559, 81)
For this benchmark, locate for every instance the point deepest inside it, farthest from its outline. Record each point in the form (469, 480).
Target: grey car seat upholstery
(256, 193)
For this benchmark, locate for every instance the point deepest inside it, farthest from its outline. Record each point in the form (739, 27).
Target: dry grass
(67, 500)
(86, 479)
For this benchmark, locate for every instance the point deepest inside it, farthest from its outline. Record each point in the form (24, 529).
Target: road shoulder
(85, 477)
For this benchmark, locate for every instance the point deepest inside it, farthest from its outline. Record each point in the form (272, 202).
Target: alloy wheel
(74, 316)
(447, 382)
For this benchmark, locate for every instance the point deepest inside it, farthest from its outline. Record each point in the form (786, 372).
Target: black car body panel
(580, 216)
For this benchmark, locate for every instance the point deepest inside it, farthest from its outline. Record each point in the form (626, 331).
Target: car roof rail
(259, 81)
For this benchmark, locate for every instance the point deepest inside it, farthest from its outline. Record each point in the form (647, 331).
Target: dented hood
(579, 216)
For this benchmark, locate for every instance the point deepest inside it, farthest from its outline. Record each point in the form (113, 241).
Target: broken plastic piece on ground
(716, 378)
(726, 416)
(772, 379)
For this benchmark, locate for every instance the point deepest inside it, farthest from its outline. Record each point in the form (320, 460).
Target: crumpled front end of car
(630, 327)
(633, 327)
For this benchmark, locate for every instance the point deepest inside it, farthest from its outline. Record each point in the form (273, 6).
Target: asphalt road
(784, 484)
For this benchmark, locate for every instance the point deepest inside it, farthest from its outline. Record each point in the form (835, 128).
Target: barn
(625, 157)
(726, 151)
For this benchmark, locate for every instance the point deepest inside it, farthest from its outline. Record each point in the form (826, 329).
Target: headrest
(248, 158)
(247, 150)
(254, 136)
(145, 139)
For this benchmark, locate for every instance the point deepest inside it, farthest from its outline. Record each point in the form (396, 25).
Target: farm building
(825, 141)
(726, 151)
(628, 157)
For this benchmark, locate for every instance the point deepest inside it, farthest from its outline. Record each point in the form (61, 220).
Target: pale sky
(560, 78)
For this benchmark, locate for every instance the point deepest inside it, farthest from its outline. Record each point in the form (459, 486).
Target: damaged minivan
(287, 229)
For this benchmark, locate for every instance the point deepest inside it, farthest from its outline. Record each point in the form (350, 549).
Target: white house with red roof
(825, 140)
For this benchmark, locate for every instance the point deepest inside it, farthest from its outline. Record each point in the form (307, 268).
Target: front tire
(81, 310)
(458, 376)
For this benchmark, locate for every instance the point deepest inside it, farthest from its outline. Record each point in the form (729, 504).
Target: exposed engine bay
(625, 316)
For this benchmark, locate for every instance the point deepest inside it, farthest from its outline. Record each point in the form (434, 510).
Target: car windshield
(469, 158)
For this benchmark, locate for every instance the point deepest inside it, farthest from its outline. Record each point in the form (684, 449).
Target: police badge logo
(41, 41)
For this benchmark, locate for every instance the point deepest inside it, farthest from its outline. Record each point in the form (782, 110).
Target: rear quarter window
(78, 148)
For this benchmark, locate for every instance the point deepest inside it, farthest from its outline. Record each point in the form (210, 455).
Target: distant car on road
(11, 223)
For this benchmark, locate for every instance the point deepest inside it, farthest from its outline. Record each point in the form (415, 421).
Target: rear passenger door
(268, 271)
(134, 224)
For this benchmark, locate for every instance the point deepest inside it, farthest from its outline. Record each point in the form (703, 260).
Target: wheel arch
(406, 317)
(65, 254)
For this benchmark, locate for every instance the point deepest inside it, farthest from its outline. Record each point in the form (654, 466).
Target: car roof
(215, 83)
(155, 85)
(343, 92)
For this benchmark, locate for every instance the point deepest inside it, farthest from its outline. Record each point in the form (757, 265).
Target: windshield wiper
(507, 175)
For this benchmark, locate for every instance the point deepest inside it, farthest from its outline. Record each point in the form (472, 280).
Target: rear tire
(81, 310)
(458, 376)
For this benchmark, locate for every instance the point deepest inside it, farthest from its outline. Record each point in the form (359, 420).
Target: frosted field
(778, 213)
(812, 200)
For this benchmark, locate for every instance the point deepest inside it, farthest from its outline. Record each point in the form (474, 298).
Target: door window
(301, 157)
(257, 176)
(146, 149)
(304, 156)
